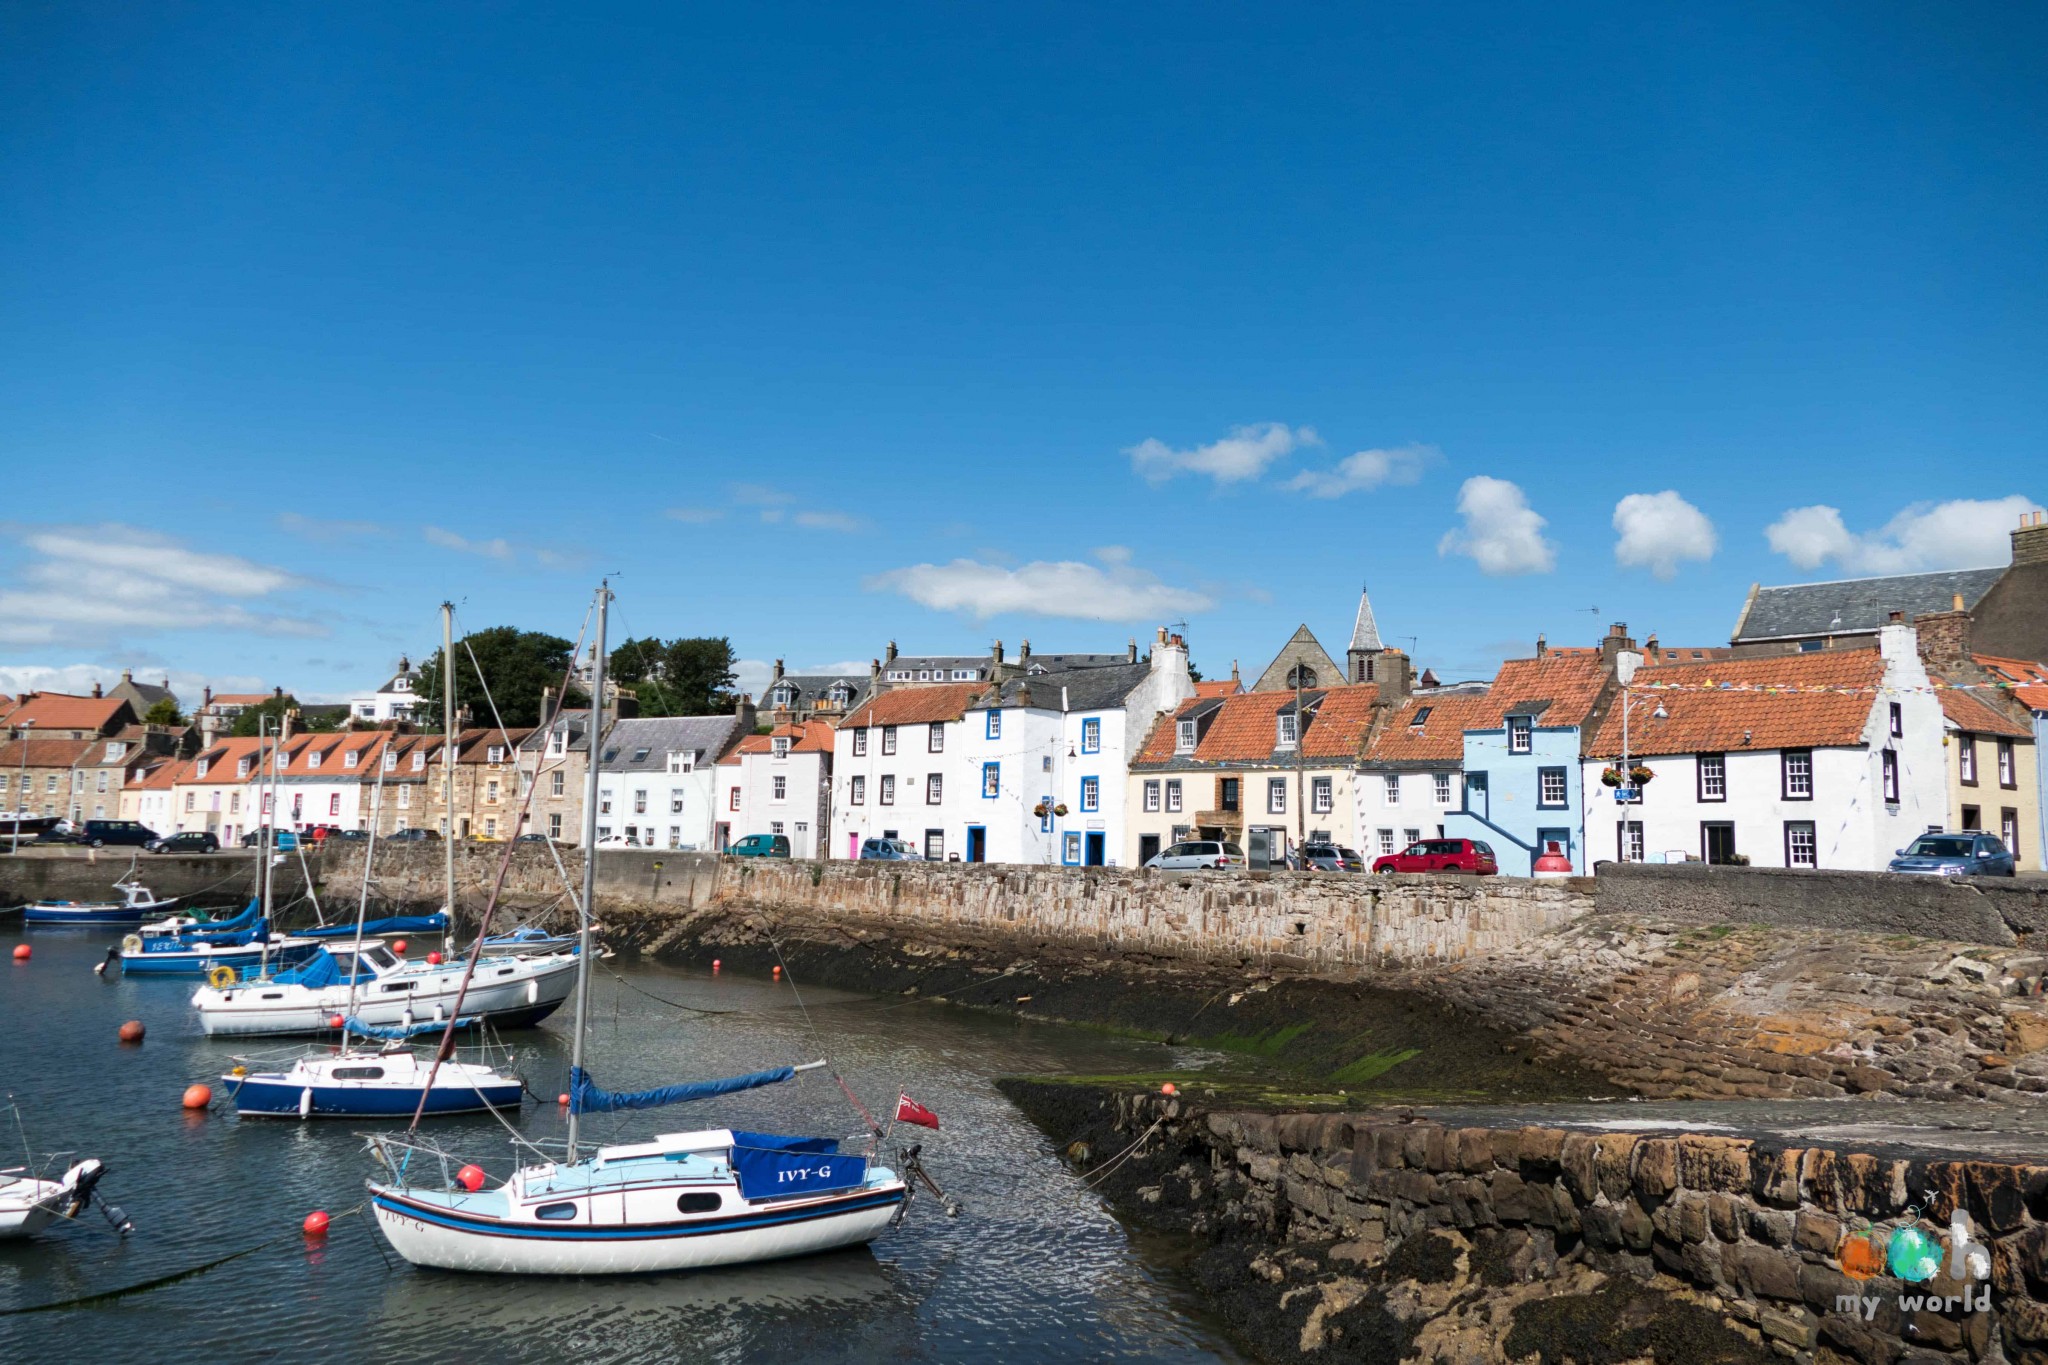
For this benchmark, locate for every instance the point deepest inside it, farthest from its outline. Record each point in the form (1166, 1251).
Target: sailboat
(137, 904)
(715, 1196)
(220, 950)
(29, 1203)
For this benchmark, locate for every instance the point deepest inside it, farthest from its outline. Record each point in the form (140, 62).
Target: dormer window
(780, 746)
(241, 768)
(681, 761)
(495, 754)
(419, 761)
(402, 685)
(390, 760)
(840, 694)
(348, 760)
(115, 749)
(204, 764)
(558, 744)
(785, 695)
(313, 759)
(1184, 737)
(1286, 731)
(1521, 734)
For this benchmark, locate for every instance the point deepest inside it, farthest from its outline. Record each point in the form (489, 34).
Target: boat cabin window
(358, 1073)
(556, 1213)
(379, 959)
(699, 1203)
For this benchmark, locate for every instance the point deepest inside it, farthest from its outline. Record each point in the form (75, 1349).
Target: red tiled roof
(812, 737)
(1338, 727)
(161, 776)
(1966, 710)
(1221, 687)
(1441, 735)
(2030, 678)
(916, 705)
(1245, 727)
(1569, 679)
(43, 753)
(62, 711)
(241, 698)
(1731, 705)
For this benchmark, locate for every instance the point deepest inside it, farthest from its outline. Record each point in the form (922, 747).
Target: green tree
(273, 707)
(164, 712)
(683, 677)
(518, 665)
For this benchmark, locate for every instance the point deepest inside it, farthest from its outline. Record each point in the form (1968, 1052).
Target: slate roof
(2030, 678)
(574, 722)
(642, 745)
(1087, 689)
(146, 694)
(1863, 605)
(1439, 737)
(916, 705)
(1365, 632)
(811, 688)
(1733, 705)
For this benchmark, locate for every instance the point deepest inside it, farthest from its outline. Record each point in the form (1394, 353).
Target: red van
(1441, 855)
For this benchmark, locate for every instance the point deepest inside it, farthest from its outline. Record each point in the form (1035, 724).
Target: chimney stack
(1024, 654)
(2030, 540)
(778, 671)
(889, 655)
(1131, 651)
(1944, 635)
(1396, 677)
(997, 653)
(96, 688)
(1542, 645)
(1617, 643)
(749, 719)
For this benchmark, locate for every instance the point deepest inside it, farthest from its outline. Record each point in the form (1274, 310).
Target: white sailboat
(714, 1196)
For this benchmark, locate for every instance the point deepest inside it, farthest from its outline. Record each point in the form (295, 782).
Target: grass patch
(1373, 1065)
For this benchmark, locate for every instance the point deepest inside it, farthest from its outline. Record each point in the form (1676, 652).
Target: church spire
(1365, 635)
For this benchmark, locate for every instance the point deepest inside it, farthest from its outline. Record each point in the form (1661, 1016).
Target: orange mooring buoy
(776, 972)
(316, 1223)
(433, 959)
(398, 946)
(1169, 1089)
(471, 1178)
(716, 964)
(21, 952)
(197, 1096)
(562, 1100)
(132, 1031)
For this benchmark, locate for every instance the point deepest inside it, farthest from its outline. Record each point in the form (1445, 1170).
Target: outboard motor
(80, 1182)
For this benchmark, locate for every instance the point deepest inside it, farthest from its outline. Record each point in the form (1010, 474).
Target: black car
(415, 835)
(63, 832)
(190, 841)
(533, 839)
(101, 833)
(348, 836)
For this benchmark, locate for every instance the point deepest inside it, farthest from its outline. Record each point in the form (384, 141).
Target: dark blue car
(1968, 853)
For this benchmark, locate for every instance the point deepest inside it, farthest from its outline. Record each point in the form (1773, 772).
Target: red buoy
(316, 1223)
(1168, 1089)
(433, 959)
(471, 1178)
(716, 964)
(562, 1100)
(776, 971)
(336, 1022)
(132, 1031)
(21, 952)
(197, 1097)
(398, 946)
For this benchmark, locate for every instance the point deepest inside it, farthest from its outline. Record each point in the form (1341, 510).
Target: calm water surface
(1035, 1269)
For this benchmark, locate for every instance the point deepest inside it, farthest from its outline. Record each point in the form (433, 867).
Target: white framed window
(1966, 759)
(102, 783)
(1320, 797)
(1442, 782)
(675, 836)
(1797, 765)
(390, 761)
(494, 754)
(404, 800)
(779, 788)
(1551, 787)
(1091, 793)
(1284, 731)
(419, 761)
(1713, 771)
(559, 784)
(860, 743)
(1152, 794)
(995, 724)
(887, 796)
(241, 768)
(1392, 788)
(857, 793)
(490, 826)
(491, 790)
(348, 760)
(1801, 849)
(732, 799)
(1184, 737)
(1410, 836)
(1888, 765)
(1091, 735)
(1628, 837)
(640, 801)
(779, 746)
(888, 740)
(680, 761)
(2005, 763)
(558, 743)
(675, 803)
(604, 804)
(991, 780)
(199, 772)
(1521, 734)
(1172, 794)
(1276, 795)
(313, 759)
(1386, 842)
(934, 789)
(934, 846)
(935, 738)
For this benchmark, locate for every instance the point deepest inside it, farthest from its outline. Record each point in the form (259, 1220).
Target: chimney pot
(96, 688)
(1897, 618)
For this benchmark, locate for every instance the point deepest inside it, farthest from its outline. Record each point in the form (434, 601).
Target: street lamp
(21, 789)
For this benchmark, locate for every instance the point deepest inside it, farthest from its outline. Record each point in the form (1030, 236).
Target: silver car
(1198, 854)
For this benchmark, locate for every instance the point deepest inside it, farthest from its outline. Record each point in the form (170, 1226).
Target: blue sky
(824, 327)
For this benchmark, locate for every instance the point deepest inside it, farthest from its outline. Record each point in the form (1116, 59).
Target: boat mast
(448, 755)
(593, 734)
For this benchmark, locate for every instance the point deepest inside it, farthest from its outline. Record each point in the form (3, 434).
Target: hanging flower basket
(1610, 777)
(1640, 776)
(1041, 810)
(1060, 809)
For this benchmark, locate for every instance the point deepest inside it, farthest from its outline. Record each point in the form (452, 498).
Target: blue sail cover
(316, 971)
(395, 1031)
(768, 1166)
(186, 942)
(245, 918)
(586, 1098)
(397, 924)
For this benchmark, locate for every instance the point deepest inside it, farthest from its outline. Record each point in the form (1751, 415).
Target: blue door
(1097, 848)
(977, 844)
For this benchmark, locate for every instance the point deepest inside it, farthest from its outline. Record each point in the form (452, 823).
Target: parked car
(284, 840)
(1965, 853)
(760, 846)
(532, 839)
(189, 841)
(890, 851)
(63, 832)
(1331, 858)
(319, 834)
(1198, 854)
(416, 835)
(1441, 855)
(128, 833)
(349, 836)
(618, 841)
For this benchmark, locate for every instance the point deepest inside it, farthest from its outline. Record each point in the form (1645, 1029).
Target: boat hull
(427, 1235)
(50, 913)
(256, 1097)
(197, 962)
(263, 1008)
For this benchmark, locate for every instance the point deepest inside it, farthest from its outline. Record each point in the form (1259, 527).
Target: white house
(977, 771)
(393, 701)
(778, 783)
(1412, 774)
(1830, 759)
(657, 779)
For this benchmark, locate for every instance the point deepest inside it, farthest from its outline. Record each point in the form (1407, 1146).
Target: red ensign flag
(909, 1110)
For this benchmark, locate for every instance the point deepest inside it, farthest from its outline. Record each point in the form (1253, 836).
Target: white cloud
(1366, 470)
(1963, 533)
(1502, 533)
(828, 521)
(1243, 454)
(77, 679)
(1111, 591)
(496, 548)
(751, 676)
(93, 585)
(693, 516)
(1660, 529)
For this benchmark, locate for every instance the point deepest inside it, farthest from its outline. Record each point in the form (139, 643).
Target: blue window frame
(1091, 793)
(995, 724)
(1091, 735)
(991, 779)
(1045, 820)
(1070, 850)
(1553, 789)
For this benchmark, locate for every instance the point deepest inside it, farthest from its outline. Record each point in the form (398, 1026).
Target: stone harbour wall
(1997, 911)
(1490, 1243)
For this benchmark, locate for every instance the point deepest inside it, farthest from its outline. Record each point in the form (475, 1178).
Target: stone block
(1822, 1285)
(1636, 1231)
(1714, 1163)
(1539, 1149)
(1794, 1327)
(1774, 1177)
(1613, 1159)
(1766, 1271)
(1817, 1232)
(1998, 1193)
(2025, 1319)
(1656, 1172)
(1299, 1132)
(1770, 1226)
(1472, 1150)
(1389, 1148)
(1512, 1199)
(1576, 1159)
(1601, 1224)
(1725, 1216)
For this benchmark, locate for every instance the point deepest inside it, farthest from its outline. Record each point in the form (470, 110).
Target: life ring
(131, 943)
(221, 977)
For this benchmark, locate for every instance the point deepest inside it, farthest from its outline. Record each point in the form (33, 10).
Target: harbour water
(1034, 1269)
